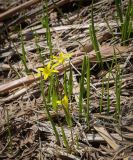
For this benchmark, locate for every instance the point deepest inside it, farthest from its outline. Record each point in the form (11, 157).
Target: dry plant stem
(6, 67)
(31, 13)
(124, 79)
(44, 115)
(106, 52)
(130, 145)
(97, 138)
(25, 5)
(18, 93)
(4, 147)
(97, 115)
(61, 154)
(15, 95)
(89, 47)
(19, 82)
(39, 30)
(10, 12)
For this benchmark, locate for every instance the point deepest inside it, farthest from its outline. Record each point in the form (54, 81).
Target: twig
(11, 11)
(107, 51)
(122, 149)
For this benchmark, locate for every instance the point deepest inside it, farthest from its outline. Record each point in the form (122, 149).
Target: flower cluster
(48, 70)
(61, 58)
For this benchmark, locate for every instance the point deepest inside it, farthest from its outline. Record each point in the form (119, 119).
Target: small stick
(25, 5)
(106, 51)
(11, 11)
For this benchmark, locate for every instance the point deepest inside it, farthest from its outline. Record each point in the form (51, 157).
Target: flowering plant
(46, 71)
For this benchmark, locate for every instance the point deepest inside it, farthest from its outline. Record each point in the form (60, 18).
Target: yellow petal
(48, 65)
(55, 65)
(54, 57)
(38, 74)
(69, 55)
(40, 69)
(65, 55)
(58, 102)
(65, 101)
(55, 71)
(46, 71)
(61, 54)
(45, 76)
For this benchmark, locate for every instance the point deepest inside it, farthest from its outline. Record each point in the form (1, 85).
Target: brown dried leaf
(103, 132)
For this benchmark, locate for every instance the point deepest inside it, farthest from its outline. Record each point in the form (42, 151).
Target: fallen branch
(19, 8)
(15, 95)
(39, 30)
(106, 52)
(25, 5)
(17, 83)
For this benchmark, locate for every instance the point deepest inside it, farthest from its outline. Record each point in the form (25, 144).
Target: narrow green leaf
(118, 4)
(38, 49)
(127, 23)
(65, 83)
(68, 116)
(70, 83)
(94, 38)
(23, 57)
(101, 98)
(82, 87)
(54, 99)
(65, 139)
(118, 89)
(10, 146)
(88, 92)
(45, 24)
(108, 98)
(47, 111)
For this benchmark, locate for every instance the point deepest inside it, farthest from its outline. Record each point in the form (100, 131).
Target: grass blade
(23, 57)
(118, 89)
(94, 38)
(45, 24)
(54, 99)
(108, 97)
(39, 49)
(68, 116)
(9, 133)
(88, 92)
(118, 4)
(82, 87)
(127, 23)
(65, 83)
(65, 139)
(48, 113)
(101, 98)
(70, 83)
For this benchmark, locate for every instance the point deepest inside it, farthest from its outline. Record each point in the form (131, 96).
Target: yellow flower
(62, 57)
(46, 71)
(64, 101)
